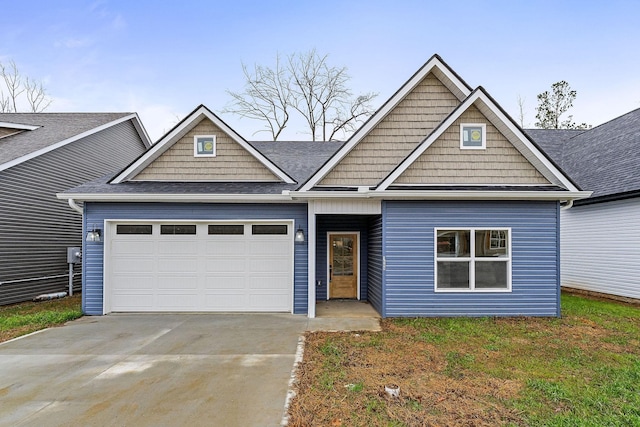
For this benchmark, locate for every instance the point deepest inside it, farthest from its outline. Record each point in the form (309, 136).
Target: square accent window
(204, 146)
(473, 136)
(473, 259)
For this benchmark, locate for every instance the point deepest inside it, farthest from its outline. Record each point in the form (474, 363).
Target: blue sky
(164, 58)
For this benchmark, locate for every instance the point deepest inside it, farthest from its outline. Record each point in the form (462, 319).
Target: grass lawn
(580, 370)
(24, 318)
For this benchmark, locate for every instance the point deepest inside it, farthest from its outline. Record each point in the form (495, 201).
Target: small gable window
(204, 146)
(473, 136)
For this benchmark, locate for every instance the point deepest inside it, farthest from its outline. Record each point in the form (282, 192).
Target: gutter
(75, 207)
(176, 197)
(567, 206)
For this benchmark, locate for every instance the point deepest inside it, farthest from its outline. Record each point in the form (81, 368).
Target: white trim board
(435, 65)
(179, 131)
(504, 125)
(17, 126)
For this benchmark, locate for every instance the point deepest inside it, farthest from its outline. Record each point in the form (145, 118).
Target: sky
(162, 58)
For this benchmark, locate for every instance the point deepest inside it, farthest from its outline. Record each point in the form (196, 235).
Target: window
(473, 259)
(178, 229)
(133, 229)
(473, 136)
(268, 229)
(226, 229)
(204, 146)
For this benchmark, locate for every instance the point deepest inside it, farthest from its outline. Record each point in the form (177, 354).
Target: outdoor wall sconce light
(94, 235)
(299, 235)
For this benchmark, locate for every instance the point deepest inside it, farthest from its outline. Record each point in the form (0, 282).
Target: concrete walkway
(156, 370)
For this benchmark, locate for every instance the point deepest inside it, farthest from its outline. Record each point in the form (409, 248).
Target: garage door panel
(226, 246)
(173, 246)
(172, 264)
(133, 282)
(184, 282)
(225, 281)
(201, 272)
(131, 264)
(129, 246)
(225, 264)
(270, 246)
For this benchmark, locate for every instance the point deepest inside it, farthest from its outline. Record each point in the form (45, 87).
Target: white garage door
(194, 266)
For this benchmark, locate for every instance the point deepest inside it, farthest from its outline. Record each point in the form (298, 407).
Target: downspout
(75, 207)
(567, 206)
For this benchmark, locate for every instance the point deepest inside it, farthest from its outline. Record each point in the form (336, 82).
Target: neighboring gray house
(600, 235)
(42, 154)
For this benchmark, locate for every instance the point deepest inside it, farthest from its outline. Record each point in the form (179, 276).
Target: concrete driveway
(151, 370)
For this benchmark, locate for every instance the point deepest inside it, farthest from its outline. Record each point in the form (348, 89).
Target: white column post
(311, 233)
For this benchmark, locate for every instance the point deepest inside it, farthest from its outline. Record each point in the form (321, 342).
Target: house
(600, 235)
(42, 154)
(439, 205)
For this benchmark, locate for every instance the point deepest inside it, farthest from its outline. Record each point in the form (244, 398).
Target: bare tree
(266, 97)
(16, 85)
(521, 111)
(306, 85)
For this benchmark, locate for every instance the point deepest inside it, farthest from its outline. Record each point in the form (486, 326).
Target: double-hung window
(473, 259)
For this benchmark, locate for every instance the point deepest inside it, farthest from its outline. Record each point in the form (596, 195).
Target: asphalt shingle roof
(53, 128)
(298, 159)
(605, 159)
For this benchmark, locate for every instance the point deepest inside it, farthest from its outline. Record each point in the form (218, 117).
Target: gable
(232, 162)
(444, 162)
(395, 136)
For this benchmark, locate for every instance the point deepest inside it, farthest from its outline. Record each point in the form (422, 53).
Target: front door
(343, 265)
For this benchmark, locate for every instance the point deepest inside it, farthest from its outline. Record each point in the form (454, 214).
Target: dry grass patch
(583, 369)
(24, 318)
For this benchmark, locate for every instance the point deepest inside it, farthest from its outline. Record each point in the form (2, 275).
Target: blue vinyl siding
(327, 223)
(96, 213)
(408, 247)
(374, 283)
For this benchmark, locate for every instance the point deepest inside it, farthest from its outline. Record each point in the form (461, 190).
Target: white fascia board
(142, 132)
(177, 133)
(178, 197)
(62, 143)
(446, 195)
(548, 169)
(433, 63)
(17, 126)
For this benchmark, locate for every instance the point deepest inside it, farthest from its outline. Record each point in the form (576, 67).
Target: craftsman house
(439, 205)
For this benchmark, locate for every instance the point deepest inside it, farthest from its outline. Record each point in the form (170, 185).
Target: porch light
(94, 235)
(299, 235)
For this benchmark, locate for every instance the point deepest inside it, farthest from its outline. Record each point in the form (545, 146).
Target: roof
(298, 159)
(51, 129)
(604, 159)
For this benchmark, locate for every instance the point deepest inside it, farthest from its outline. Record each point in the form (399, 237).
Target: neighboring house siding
(36, 227)
(232, 161)
(600, 249)
(96, 213)
(374, 282)
(409, 250)
(340, 223)
(395, 136)
(445, 163)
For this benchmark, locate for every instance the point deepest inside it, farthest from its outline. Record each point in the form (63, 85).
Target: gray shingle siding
(409, 250)
(36, 227)
(96, 213)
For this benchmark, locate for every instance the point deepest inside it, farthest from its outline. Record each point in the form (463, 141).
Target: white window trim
(484, 136)
(471, 260)
(195, 146)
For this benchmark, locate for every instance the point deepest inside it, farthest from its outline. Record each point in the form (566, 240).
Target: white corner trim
(17, 126)
(189, 122)
(65, 142)
(387, 107)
